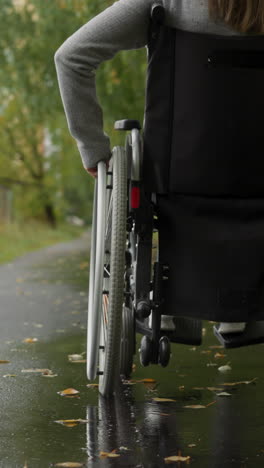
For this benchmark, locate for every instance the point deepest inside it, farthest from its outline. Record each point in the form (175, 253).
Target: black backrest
(203, 128)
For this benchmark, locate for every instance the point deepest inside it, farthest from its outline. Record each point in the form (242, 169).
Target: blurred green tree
(35, 146)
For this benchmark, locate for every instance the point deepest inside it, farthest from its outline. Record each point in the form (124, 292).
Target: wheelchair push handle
(157, 13)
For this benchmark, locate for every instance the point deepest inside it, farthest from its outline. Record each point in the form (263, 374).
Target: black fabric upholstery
(203, 131)
(204, 157)
(214, 248)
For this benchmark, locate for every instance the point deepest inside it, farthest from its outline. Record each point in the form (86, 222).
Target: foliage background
(38, 158)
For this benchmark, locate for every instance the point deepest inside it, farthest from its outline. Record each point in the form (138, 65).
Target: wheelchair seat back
(203, 157)
(203, 130)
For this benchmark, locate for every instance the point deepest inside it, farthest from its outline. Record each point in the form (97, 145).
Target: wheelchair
(132, 277)
(125, 286)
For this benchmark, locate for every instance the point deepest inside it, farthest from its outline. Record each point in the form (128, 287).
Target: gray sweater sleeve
(122, 26)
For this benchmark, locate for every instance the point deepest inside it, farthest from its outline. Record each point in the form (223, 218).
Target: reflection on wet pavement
(216, 424)
(214, 418)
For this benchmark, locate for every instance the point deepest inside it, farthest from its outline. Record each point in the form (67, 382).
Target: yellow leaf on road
(219, 355)
(71, 422)
(70, 465)
(30, 340)
(245, 382)
(162, 399)
(195, 406)
(112, 454)
(3, 361)
(69, 392)
(177, 458)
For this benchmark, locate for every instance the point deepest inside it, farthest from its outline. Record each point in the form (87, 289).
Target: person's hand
(92, 171)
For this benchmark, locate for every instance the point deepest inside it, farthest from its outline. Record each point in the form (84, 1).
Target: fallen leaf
(225, 368)
(219, 355)
(210, 404)
(211, 364)
(146, 381)
(9, 375)
(70, 465)
(71, 422)
(198, 388)
(206, 351)
(162, 399)
(177, 458)
(2, 361)
(112, 454)
(245, 382)
(92, 385)
(223, 394)
(49, 375)
(30, 340)
(192, 349)
(199, 406)
(216, 347)
(69, 392)
(80, 361)
(37, 371)
(214, 389)
(83, 265)
(195, 406)
(75, 357)
(192, 445)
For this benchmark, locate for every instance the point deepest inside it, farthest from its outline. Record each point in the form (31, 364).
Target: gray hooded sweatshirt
(122, 26)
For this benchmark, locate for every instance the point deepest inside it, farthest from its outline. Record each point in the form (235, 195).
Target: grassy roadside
(16, 240)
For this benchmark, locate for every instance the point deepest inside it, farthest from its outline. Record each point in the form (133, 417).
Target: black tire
(164, 351)
(127, 343)
(146, 351)
(109, 351)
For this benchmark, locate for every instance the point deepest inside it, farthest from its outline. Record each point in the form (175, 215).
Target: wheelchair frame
(125, 287)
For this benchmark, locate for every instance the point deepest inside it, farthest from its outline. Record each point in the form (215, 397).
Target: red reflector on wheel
(135, 197)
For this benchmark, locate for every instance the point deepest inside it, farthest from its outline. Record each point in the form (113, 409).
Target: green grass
(18, 239)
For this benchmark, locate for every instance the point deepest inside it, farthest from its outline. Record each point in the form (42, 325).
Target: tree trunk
(50, 215)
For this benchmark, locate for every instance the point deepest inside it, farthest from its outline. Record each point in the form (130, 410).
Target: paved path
(32, 291)
(43, 295)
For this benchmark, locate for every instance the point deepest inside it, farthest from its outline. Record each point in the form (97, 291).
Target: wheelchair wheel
(107, 266)
(113, 281)
(127, 342)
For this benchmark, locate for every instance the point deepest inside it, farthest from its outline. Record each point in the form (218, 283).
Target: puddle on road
(227, 432)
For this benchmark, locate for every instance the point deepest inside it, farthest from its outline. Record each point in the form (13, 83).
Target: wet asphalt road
(43, 296)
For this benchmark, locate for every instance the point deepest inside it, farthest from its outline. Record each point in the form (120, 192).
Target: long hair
(245, 16)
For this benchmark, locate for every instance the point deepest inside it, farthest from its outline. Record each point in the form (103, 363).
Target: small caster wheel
(143, 309)
(145, 352)
(164, 351)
